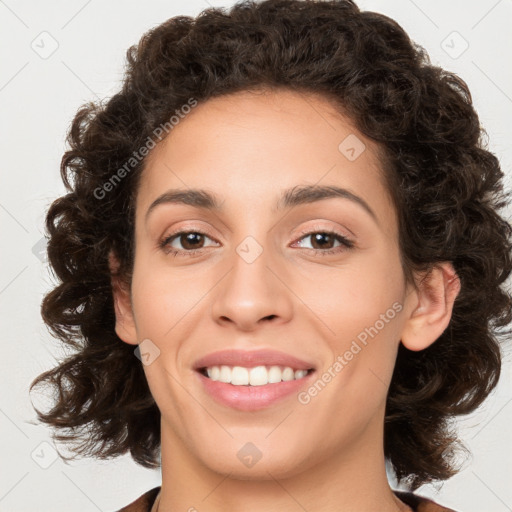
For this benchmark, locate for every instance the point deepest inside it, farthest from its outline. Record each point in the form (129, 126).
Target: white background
(38, 98)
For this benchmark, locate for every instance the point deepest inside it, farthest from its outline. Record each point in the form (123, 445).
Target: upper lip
(232, 357)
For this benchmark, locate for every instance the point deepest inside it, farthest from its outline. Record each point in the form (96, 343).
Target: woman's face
(300, 257)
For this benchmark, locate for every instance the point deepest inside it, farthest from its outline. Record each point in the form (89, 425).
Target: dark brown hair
(447, 189)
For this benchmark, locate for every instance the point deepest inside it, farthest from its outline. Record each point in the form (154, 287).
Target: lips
(252, 397)
(251, 359)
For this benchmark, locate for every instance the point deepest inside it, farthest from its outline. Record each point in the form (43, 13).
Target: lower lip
(252, 398)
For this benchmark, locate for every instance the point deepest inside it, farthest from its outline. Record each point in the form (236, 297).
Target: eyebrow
(298, 195)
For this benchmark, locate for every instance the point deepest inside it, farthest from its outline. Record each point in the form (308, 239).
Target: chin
(247, 461)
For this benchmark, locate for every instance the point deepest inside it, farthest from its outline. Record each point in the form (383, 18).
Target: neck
(353, 480)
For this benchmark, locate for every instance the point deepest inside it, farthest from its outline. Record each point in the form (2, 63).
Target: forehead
(249, 145)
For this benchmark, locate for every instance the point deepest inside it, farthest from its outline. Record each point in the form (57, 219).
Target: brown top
(418, 504)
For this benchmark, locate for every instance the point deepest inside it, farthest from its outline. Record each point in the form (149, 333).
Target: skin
(326, 455)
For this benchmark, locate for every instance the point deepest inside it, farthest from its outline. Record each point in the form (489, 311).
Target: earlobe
(125, 323)
(431, 314)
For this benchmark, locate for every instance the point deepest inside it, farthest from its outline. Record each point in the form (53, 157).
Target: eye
(185, 242)
(189, 243)
(325, 241)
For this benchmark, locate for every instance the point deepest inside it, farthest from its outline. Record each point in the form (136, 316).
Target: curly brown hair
(446, 187)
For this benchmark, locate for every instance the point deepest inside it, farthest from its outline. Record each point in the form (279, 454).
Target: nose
(252, 294)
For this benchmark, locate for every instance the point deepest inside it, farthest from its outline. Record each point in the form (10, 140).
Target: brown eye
(325, 242)
(322, 240)
(191, 240)
(186, 242)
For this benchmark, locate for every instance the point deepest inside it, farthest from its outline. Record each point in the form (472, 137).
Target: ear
(432, 305)
(125, 323)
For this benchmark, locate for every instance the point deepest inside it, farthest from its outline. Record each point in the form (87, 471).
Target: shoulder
(421, 504)
(143, 503)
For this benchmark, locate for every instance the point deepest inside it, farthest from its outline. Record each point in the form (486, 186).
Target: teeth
(257, 376)
(214, 373)
(225, 374)
(239, 376)
(274, 374)
(288, 374)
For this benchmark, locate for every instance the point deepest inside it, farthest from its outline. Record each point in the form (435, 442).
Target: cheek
(358, 308)
(351, 297)
(163, 297)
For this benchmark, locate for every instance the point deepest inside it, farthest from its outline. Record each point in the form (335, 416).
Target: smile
(252, 389)
(255, 376)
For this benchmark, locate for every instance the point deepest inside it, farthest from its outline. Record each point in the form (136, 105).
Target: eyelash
(348, 244)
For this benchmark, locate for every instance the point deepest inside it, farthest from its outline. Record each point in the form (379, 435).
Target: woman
(281, 262)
